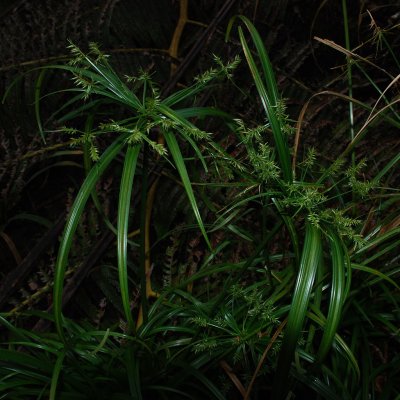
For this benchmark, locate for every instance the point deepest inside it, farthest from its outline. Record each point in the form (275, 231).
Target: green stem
(142, 254)
(349, 74)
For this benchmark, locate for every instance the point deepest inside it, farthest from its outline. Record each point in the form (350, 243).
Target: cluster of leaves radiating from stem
(222, 70)
(149, 118)
(238, 324)
(261, 154)
(361, 187)
(311, 200)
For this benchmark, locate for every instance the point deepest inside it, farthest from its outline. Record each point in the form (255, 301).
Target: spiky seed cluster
(83, 138)
(223, 70)
(303, 196)
(264, 164)
(136, 136)
(247, 135)
(261, 155)
(359, 187)
(310, 158)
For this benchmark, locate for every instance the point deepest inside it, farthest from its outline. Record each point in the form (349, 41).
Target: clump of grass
(303, 307)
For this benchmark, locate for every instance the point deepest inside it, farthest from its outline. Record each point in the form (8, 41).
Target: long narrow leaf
(338, 344)
(268, 95)
(310, 260)
(336, 298)
(379, 275)
(290, 227)
(202, 112)
(265, 62)
(72, 223)
(38, 86)
(184, 125)
(56, 375)
(125, 193)
(387, 167)
(378, 241)
(133, 374)
(104, 85)
(181, 167)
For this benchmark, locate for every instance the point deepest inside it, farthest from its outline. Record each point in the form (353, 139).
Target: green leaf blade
(311, 257)
(336, 297)
(71, 225)
(181, 167)
(125, 193)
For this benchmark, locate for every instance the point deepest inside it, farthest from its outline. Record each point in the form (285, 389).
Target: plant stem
(349, 74)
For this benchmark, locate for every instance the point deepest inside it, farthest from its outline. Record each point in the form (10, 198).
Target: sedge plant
(93, 75)
(324, 231)
(297, 316)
